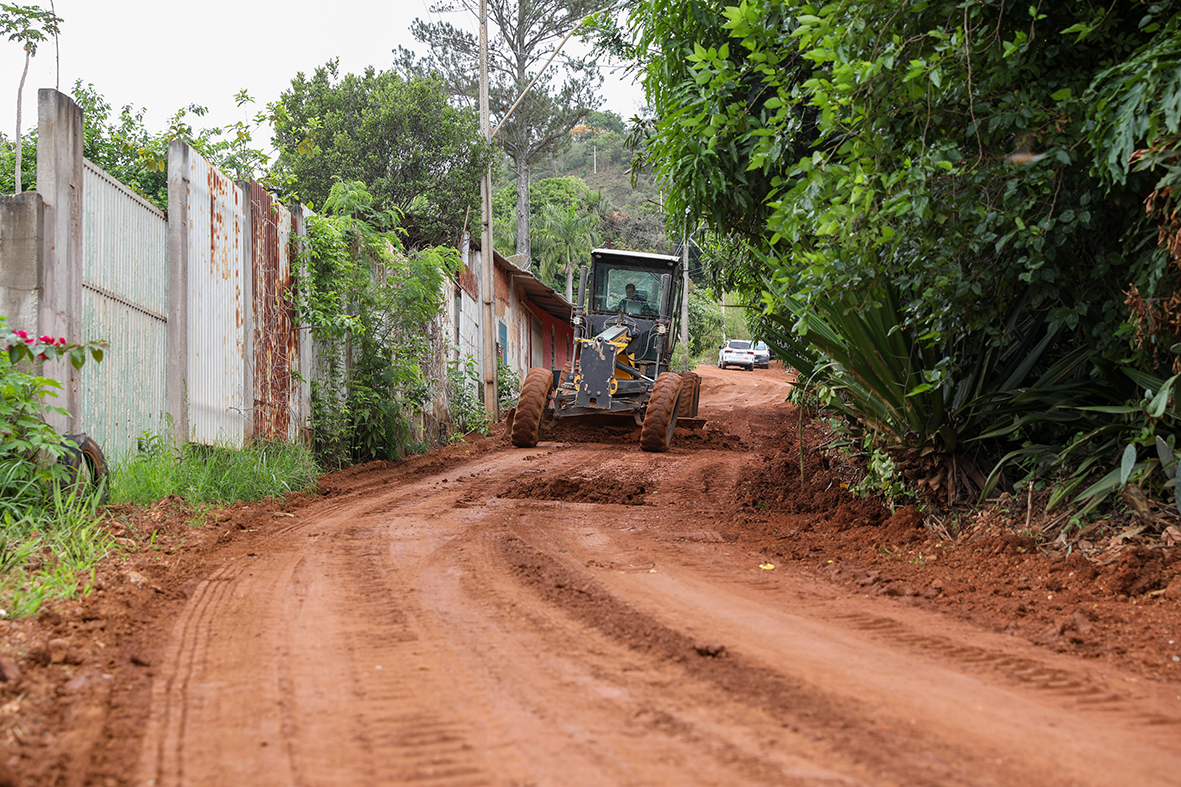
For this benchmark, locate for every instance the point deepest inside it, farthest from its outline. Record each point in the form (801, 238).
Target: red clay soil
(583, 613)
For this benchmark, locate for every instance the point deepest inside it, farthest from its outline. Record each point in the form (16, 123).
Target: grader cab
(625, 323)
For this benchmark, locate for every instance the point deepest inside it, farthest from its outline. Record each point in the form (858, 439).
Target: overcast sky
(161, 56)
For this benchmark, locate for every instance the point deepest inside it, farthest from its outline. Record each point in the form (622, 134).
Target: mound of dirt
(577, 490)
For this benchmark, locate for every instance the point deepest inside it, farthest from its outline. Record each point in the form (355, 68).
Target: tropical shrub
(368, 303)
(29, 447)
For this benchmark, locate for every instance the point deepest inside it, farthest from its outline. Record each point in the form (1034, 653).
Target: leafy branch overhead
(415, 152)
(985, 164)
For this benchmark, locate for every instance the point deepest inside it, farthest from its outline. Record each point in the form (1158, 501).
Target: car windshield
(737, 345)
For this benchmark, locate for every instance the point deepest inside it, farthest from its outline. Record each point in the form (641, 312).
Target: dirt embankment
(585, 613)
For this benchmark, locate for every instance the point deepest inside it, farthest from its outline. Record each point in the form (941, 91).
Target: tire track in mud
(654, 716)
(1086, 693)
(403, 723)
(595, 538)
(343, 622)
(843, 727)
(167, 729)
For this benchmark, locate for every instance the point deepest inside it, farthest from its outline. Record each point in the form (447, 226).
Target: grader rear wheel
(661, 419)
(530, 406)
(690, 382)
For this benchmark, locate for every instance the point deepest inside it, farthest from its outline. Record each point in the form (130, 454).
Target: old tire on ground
(88, 466)
(530, 406)
(661, 418)
(690, 382)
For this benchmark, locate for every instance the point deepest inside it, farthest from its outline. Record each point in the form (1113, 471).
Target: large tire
(661, 419)
(566, 374)
(690, 381)
(88, 466)
(530, 406)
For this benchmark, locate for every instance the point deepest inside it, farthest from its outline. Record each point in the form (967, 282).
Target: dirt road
(579, 614)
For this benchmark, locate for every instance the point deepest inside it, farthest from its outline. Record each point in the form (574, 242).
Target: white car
(762, 355)
(737, 352)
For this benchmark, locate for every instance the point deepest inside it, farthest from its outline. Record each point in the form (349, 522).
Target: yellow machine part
(620, 346)
(619, 373)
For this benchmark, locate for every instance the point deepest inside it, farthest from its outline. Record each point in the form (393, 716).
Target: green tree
(29, 26)
(415, 151)
(607, 121)
(568, 236)
(563, 96)
(705, 324)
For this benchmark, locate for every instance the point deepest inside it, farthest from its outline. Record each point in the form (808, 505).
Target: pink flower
(29, 340)
(42, 357)
(61, 342)
(46, 339)
(21, 334)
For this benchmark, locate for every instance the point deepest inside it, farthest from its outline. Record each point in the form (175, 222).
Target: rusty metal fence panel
(218, 307)
(276, 340)
(124, 301)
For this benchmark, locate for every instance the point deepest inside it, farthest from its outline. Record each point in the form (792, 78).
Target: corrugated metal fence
(241, 348)
(218, 293)
(195, 304)
(125, 300)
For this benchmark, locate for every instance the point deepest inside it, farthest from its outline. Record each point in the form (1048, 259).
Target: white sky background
(161, 56)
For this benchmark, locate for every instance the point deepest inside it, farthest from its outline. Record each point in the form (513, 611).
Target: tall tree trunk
(523, 250)
(570, 280)
(19, 91)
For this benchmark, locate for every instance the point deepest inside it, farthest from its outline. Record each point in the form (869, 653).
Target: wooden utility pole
(685, 296)
(488, 283)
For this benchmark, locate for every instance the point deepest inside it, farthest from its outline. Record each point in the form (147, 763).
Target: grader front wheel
(661, 419)
(530, 406)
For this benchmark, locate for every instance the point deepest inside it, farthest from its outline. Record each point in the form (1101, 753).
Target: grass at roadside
(51, 539)
(48, 548)
(205, 474)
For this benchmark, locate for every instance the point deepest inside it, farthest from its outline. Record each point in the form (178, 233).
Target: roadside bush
(468, 413)
(368, 303)
(49, 528)
(30, 449)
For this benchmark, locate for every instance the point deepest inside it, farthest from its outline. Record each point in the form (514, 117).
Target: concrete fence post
(178, 288)
(59, 182)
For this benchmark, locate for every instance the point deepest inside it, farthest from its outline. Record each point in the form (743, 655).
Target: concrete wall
(24, 251)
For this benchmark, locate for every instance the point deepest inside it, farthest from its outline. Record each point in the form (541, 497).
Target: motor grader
(625, 323)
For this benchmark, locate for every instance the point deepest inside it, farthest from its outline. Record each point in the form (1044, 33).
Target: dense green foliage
(565, 240)
(416, 153)
(368, 304)
(970, 162)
